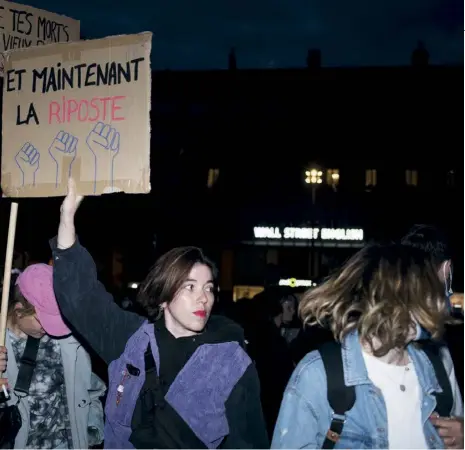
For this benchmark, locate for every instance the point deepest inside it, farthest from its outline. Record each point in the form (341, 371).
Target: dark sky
(197, 34)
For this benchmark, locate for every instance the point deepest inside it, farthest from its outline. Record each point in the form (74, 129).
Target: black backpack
(341, 398)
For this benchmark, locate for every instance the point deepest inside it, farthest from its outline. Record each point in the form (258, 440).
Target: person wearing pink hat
(62, 408)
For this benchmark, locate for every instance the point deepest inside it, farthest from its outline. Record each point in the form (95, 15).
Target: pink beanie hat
(36, 285)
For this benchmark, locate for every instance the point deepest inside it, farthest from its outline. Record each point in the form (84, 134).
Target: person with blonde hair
(375, 306)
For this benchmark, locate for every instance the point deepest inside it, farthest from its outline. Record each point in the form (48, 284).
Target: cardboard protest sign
(23, 26)
(80, 109)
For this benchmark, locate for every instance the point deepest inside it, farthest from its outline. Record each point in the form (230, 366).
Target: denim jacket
(305, 414)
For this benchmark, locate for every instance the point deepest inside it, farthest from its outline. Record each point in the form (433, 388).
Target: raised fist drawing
(103, 141)
(63, 144)
(27, 159)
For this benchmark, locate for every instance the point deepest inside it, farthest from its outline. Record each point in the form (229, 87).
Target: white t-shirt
(405, 427)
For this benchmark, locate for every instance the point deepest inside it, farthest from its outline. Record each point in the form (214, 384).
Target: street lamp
(313, 176)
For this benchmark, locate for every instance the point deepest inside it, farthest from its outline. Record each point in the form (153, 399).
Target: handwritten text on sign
(67, 109)
(79, 109)
(23, 26)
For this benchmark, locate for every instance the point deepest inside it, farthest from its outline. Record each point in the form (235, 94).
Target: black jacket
(93, 314)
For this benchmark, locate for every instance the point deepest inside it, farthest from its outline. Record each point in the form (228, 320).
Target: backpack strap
(154, 396)
(150, 364)
(444, 399)
(341, 398)
(27, 364)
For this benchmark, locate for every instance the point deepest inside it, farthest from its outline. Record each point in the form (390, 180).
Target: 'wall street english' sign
(324, 234)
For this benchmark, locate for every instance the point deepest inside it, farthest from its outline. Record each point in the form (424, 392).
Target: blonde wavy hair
(379, 292)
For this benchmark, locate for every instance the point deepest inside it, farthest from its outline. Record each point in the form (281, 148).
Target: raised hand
(71, 202)
(66, 230)
(103, 141)
(27, 159)
(63, 144)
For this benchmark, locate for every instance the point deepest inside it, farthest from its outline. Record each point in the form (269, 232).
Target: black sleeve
(247, 427)
(87, 306)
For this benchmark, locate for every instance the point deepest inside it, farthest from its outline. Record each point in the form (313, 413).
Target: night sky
(197, 34)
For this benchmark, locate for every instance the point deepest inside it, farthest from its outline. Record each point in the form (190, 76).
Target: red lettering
(103, 109)
(72, 108)
(54, 110)
(63, 114)
(83, 105)
(94, 105)
(104, 101)
(115, 107)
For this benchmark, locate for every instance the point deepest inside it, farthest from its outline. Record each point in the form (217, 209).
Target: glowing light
(325, 234)
(294, 282)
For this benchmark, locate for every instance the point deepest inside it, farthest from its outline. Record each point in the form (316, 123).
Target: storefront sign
(324, 234)
(294, 282)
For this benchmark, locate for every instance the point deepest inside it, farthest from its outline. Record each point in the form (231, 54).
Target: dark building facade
(375, 149)
(371, 149)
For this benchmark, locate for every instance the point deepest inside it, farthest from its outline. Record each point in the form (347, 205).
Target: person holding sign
(180, 379)
(55, 391)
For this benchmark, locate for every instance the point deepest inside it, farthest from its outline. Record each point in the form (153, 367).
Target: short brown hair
(167, 276)
(16, 297)
(377, 292)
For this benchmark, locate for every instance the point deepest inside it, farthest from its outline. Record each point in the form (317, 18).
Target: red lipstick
(201, 313)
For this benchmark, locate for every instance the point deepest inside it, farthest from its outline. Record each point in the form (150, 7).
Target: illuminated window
(371, 177)
(213, 175)
(411, 177)
(332, 177)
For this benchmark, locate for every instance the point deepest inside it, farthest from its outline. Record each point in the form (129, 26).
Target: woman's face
(188, 313)
(28, 324)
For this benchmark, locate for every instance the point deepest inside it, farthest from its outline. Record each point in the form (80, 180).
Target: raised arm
(83, 300)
